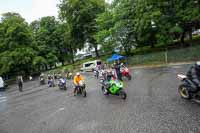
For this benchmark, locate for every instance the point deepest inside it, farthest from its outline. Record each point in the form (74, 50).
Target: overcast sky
(31, 9)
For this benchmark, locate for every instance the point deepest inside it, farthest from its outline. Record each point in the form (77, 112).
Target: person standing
(20, 82)
(76, 82)
(117, 70)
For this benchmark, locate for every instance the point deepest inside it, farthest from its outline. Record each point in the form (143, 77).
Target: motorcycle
(188, 90)
(62, 84)
(102, 75)
(42, 81)
(113, 87)
(126, 73)
(51, 83)
(81, 89)
(96, 74)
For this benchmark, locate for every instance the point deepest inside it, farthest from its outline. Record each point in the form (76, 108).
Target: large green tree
(80, 16)
(187, 16)
(46, 40)
(16, 49)
(116, 26)
(104, 35)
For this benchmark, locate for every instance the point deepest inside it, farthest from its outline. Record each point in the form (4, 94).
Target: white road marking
(51, 115)
(61, 109)
(3, 100)
(176, 67)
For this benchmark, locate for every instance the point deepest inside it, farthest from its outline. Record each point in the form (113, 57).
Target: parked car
(91, 65)
(197, 32)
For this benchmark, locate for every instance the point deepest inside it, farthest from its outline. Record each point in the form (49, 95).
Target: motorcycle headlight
(81, 83)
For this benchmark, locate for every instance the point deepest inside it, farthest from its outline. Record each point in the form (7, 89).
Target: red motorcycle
(126, 72)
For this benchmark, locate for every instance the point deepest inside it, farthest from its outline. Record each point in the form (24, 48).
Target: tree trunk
(63, 63)
(152, 44)
(182, 37)
(96, 50)
(46, 67)
(72, 57)
(152, 40)
(71, 54)
(73, 60)
(190, 35)
(127, 50)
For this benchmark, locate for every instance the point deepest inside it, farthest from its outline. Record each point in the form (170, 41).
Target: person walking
(20, 82)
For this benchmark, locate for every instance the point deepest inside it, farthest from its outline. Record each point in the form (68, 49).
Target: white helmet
(77, 74)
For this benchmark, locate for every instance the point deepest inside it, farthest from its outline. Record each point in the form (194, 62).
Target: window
(98, 62)
(89, 64)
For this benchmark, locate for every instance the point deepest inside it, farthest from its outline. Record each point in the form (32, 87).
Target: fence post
(166, 58)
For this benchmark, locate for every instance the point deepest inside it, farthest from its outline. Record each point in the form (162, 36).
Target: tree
(147, 20)
(104, 24)
(39, 62)
(187, 16)
(123, 31)
(80, 16)
(46, 39)
(116, 26)
(16, 44)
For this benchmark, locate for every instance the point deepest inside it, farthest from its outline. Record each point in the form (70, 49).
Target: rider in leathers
(194, 74)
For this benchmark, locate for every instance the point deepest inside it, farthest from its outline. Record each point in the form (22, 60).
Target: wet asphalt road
(152, 106)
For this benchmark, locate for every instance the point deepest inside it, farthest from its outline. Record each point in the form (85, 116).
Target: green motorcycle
(113, 87)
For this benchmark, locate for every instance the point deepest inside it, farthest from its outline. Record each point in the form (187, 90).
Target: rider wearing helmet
(194, 74)
(77, 79)
(41, 76)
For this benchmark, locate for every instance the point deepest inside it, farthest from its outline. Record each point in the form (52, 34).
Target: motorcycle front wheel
(129, 77)
(122, 94)
(105, 92)
(183, 92)
(84, 94)
(65, 88)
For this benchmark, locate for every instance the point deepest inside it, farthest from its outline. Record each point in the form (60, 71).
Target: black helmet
(197, 66)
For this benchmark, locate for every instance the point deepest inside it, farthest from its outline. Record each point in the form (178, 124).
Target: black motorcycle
(188, 90)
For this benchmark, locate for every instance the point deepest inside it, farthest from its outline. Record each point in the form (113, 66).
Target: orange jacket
(77, 79)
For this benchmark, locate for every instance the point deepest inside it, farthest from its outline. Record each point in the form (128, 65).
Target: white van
(1, 83)
(90, 65)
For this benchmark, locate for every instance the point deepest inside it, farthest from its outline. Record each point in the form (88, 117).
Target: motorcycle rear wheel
(183, 92)
(122, 94)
